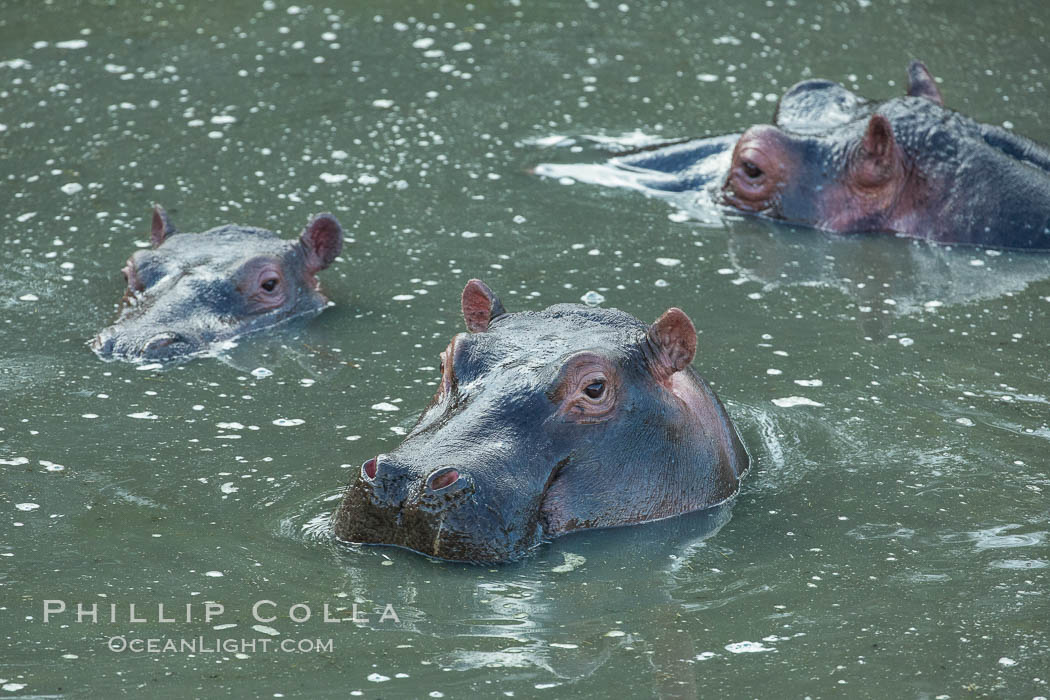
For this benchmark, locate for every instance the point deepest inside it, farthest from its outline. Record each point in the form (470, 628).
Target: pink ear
(879, 157)
(480, 306)
(321, 240)
(161, 227)
(673, 340)
(878, 139)
(921, 83)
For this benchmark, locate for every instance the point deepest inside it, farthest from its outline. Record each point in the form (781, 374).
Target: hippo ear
(161, 227)
(878, 153)
(921, 83)
(672, 338)
(480, 306)
(321, 240)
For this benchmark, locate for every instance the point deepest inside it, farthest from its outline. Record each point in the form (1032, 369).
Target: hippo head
(830, 161)
(840, 162)
(192, 291)
(544, 423)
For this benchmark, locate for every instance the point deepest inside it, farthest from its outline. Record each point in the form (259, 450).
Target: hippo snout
(111, 344)
(394, 484)
(103, 345)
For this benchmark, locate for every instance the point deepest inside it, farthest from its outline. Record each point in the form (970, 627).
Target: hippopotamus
(190, 292)
(836, 161)
(545, 423)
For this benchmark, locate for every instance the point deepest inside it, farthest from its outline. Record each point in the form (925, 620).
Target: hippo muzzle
(438, 512)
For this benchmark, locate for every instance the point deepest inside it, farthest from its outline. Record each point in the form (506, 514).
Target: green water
(890, 541)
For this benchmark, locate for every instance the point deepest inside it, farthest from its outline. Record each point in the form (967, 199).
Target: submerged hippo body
(545, 423)
(836, 161)
(193, 291)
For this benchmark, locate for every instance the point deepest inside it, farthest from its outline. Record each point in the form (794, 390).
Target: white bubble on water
(668, 262)
(403, 297)
(964, 421)
(334, 178)
(29, 297)
(1007, 661)
(143, 415)
(51, 466)
(383, 103)
(384, 406)
(792, 401)
(378, 678)
(27, 507)
(572, 562)
(592, 298)
(809, 382)
(261, 372)
(71, 187)
(213, 574)
(72, 44)
(288, 422)
(747, 647)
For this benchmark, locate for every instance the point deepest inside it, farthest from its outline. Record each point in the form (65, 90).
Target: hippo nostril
(159, 342)
(369, 468)
(442, 479)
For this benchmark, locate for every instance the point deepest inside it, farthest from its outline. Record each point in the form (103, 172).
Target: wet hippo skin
(544, 423)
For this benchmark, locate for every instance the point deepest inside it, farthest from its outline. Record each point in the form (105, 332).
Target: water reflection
(560, 611)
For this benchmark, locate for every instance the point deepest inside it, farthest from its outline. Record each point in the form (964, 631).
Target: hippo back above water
(840, 162)
(191, 292)
(545, 423)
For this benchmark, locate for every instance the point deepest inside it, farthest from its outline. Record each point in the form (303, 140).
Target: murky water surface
(890, 541)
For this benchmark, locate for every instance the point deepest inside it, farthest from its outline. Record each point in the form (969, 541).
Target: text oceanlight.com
(212, 645)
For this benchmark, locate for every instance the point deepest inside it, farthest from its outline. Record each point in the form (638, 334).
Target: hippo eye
(750, 169)
(595, 390)
(270, 284)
